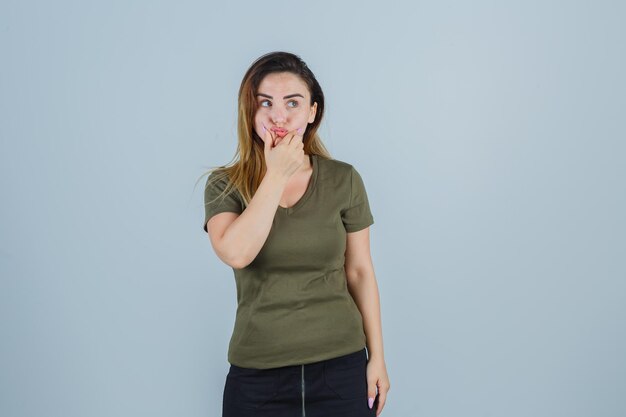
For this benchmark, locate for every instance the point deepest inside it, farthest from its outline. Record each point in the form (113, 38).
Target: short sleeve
(357, 215)
(214, 203)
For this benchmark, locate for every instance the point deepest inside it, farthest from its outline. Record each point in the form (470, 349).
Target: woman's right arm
(238, 238)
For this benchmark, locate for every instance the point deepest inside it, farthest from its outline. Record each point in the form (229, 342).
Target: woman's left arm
(364, 290)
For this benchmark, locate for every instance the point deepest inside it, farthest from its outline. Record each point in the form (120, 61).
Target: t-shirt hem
(270, 365)
(357, 227)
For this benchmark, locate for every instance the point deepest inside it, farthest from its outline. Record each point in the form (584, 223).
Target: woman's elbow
(235, 260)
(238, 263)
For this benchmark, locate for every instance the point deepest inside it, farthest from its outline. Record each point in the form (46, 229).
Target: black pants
(335, 387)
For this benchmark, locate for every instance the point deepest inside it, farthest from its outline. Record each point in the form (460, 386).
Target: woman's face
(283, 105)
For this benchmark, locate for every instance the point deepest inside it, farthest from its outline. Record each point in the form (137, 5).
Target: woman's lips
(279, 131)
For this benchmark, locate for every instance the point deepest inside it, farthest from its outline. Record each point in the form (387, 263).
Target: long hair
(248, 169)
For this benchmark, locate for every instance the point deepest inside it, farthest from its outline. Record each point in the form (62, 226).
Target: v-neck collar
(309, 189)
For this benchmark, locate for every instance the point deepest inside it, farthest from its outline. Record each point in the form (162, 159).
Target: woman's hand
(377, 378)
(283, 155)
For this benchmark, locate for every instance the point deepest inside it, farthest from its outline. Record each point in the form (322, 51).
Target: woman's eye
(291, 101)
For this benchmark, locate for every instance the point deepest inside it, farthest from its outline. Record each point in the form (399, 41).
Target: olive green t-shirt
(293, 304)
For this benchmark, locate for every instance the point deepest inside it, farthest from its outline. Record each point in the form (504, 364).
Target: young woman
(293, 223)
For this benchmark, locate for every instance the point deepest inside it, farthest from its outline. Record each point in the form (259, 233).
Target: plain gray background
(490, 136)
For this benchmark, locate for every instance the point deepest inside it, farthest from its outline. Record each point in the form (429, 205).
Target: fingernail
(370, 402)
(299, 130)
(264, 129)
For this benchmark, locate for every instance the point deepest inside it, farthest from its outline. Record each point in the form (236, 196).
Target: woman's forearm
(245, 236)
(364, 291)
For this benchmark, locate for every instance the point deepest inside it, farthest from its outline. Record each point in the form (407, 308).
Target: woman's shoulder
(336, 166)
(218, 175)
(217, 181)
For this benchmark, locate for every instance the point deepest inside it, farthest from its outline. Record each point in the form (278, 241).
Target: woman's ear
(313, 112)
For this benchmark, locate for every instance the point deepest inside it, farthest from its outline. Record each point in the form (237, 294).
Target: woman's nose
(278, 116)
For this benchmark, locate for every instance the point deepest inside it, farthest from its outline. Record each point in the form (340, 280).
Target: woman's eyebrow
(284, 98)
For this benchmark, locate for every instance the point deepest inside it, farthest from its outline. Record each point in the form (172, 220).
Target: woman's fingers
(288, 138)
(296, 135)
(269, 137)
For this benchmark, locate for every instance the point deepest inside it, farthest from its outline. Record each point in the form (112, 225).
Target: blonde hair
(248, 169)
